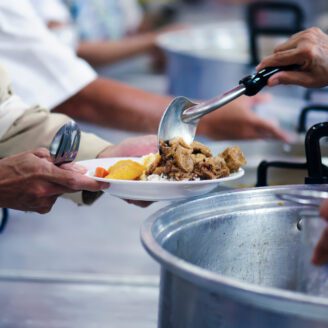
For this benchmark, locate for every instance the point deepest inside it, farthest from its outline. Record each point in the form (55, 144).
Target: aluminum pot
(229, 260)
(207, 60)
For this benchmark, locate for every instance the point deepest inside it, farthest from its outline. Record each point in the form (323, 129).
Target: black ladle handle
(256, 82)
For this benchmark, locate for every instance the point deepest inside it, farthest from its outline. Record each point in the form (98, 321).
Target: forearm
(108, 52)
(117, 105)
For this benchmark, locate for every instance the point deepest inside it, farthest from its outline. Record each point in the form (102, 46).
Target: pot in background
(205, 61)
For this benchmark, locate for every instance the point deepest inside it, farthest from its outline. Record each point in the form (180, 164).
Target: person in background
(47, 72)
(309, 50)
(102, 32)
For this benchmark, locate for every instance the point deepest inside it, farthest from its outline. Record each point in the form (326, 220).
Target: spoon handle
(256, 82)
(249, 86)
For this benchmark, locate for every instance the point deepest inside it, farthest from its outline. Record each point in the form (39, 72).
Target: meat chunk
(234, 158)
(183, 159)
(199, 148)
(180, 161)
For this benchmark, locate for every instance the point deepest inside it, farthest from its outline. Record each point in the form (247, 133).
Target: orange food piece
(125, 170)
(101, 172)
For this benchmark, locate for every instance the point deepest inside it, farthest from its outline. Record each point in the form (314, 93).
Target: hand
(237, 121)
(30, 182)
(309, 49)
(320, 255)
(132, 147)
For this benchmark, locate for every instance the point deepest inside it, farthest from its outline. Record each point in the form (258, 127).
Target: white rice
(162, 177)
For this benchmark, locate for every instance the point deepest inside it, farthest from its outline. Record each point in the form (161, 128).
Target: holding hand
(31, 182)
(309, 50)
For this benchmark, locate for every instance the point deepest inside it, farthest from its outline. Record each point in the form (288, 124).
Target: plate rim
(236, 175)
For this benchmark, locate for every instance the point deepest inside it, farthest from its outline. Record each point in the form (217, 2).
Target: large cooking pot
(230, 260)
(207, 60)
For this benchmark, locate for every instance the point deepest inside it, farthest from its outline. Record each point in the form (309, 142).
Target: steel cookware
(231, 260)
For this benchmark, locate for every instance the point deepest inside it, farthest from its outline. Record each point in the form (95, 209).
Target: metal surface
(181, 117)
(65, 145)
(304, 197)
(231, 260)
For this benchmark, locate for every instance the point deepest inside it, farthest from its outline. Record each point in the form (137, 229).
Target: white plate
(153, 190)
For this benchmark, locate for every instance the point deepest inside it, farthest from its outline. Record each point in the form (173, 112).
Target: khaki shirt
(36, 127)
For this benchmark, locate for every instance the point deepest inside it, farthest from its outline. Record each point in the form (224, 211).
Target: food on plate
(101, 172)
(180, 161)
(177, 161)
(122, 170)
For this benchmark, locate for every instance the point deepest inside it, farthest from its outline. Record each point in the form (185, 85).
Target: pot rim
(266, 297)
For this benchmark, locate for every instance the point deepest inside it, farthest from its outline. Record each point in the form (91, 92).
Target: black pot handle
(4, 219)
(305, 113)
(263, 168)
(255, 29)
(316, 170)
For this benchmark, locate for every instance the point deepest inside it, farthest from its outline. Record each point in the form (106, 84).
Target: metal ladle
(65, 145)
(182, 116)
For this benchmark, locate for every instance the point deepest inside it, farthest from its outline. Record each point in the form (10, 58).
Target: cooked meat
(234, 158)
(198, 158)
(183, 159)
(199, 148)
(179, 161)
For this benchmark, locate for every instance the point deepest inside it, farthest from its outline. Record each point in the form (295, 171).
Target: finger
(74, 167)
(75, 181)
(266, 129)
(42, 153)
(288, 45)
(320, 255)
(43, 205)
(285, 58)
(324, 210)
(291, 77)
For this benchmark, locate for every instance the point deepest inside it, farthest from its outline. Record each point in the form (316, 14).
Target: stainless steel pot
(229, 260)
(205, 61)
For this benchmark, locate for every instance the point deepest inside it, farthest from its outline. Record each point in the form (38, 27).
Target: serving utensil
(182, 116)
(65, 145)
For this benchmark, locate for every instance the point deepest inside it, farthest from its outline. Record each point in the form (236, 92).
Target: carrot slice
(101, 172)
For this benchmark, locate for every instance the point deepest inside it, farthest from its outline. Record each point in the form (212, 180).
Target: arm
(117, 105)
(309, 49)
(99, 53)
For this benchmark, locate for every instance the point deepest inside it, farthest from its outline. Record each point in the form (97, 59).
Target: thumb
(296, 78)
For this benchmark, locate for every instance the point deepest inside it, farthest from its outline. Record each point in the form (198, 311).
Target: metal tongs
(182, 116)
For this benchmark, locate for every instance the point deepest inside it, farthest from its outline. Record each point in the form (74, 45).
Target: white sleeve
(43, 70)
